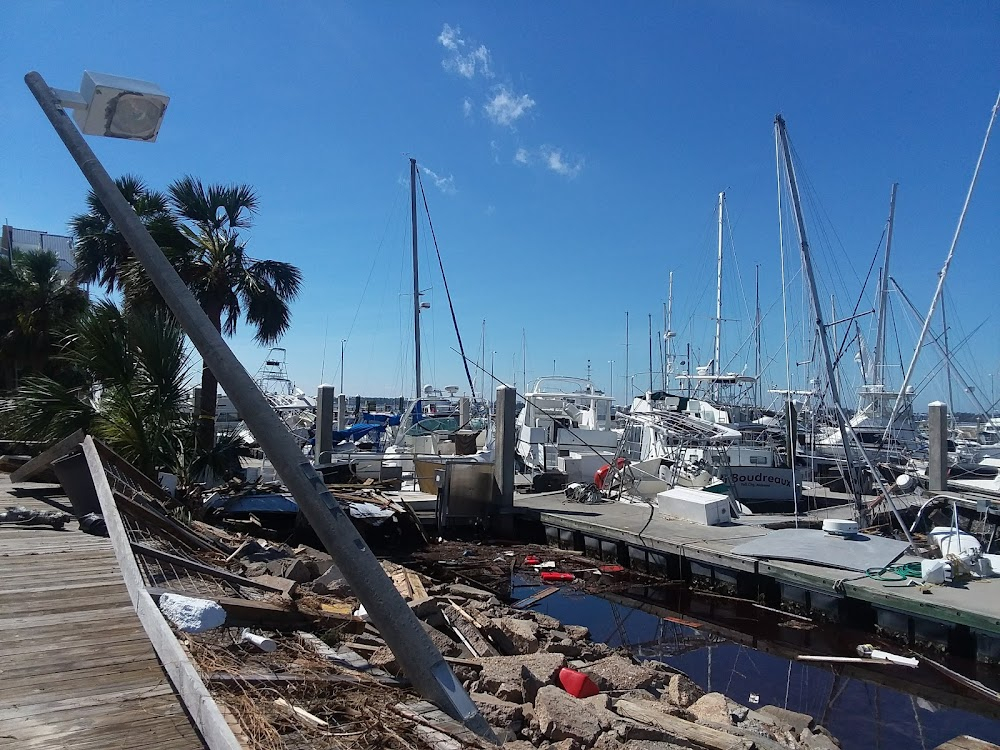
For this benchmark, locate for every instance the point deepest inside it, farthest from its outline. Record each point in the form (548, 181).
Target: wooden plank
(534, 598)
(202, 707)
(679, 728)
(164, 524)
(41, 462)
(198, 567)
(19, 623)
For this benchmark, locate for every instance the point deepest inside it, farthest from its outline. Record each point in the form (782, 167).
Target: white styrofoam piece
(706, 508)
(191, 615)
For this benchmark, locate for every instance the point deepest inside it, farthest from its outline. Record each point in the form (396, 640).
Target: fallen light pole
(410, 644)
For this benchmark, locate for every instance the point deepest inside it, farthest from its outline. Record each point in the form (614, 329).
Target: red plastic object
(531, 560)
(576, 683)
(554, 577)
(611, 569)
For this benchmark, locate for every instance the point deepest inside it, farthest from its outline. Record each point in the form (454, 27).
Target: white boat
(668, 437)
(565, 428)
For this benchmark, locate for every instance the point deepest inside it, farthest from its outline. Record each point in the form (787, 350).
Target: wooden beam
(687, 731)
(198, 567)
(41, 462)
(163, 523)
(182, 673)
(534, 598)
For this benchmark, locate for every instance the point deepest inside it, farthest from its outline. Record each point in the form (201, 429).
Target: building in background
(28, 240)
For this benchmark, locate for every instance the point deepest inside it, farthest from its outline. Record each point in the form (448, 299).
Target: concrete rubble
(510, 661)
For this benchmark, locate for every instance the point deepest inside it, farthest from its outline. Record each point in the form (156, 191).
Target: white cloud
(445, 184)
(491, 209)
(505, 107)
(554, 160)
(521, 156)
(467, 107)
(450, 38)
(467, 64)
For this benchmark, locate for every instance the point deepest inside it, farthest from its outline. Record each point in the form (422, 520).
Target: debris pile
(333, 682)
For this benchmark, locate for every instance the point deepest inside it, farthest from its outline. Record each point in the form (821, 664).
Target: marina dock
(76, 666)
(964, 618)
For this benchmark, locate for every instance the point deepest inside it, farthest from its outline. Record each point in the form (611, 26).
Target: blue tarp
(381, 419)
(263, 503)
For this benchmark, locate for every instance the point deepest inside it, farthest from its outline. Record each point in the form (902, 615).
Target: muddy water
(901, 709)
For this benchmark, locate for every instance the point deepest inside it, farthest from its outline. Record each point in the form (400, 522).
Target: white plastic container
(950, 543)
(706, 508)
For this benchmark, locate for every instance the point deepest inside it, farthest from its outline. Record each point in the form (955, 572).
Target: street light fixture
(116, 107)
(120, 102)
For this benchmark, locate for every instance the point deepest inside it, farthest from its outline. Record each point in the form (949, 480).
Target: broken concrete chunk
(716, 708)
(577, 632)
(499, 713)
(681, 691)
(522, 635)
(618, 673)
(332, 583)
(190, 615)
(287, 586)
(502, 675)
(818, 741)
(444, 644)
(792, 719)
(560, 716)
(468, 592)
(294, 570)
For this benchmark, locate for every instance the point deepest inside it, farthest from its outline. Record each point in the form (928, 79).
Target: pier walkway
(76, 667)
(969, 613)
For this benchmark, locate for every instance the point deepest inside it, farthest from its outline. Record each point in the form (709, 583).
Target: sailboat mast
(943, 274)
(628, 393)
(756, 327)
(878, 356)
(821, 330)
(650, 353)
(669, 334)
(717, 361)
(416, 277)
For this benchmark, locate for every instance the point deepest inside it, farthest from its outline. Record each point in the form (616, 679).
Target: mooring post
(503, 456)
(937, 438)
(464, 412)
(341, 411)
(324, 423)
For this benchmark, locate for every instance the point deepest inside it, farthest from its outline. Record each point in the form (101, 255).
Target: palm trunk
(205, 430)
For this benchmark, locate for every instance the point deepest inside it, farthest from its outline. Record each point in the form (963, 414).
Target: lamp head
(120, 107)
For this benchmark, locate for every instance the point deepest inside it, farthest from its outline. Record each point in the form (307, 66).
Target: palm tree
(229, 284)
(36, 306)
(132, 389)
(103, 256)
(198, 229)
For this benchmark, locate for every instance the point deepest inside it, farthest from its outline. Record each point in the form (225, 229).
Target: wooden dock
(964, 618)
(76, 667)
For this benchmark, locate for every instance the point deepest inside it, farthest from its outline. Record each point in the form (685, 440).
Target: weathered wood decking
(76, 667)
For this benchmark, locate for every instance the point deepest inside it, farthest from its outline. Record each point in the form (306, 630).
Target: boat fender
(601, 475)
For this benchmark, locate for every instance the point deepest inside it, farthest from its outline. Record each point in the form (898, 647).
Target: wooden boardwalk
(76, 667)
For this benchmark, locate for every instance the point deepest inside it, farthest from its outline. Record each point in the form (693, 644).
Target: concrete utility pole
(422, 662)
(324, 424)
(503, 468)
(937, 439)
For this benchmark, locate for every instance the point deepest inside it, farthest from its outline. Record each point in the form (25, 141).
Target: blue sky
(573, 153)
